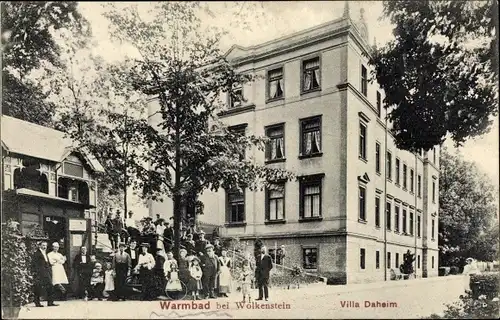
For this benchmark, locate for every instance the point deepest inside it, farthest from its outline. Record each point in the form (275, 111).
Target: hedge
(485, 284)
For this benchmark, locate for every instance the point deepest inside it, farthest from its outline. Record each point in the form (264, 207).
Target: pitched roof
(40, 142)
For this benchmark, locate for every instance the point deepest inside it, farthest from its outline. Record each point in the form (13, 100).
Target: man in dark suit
(264, 264)
(211, 269)
(42, 275)
(133, 252)
(83, 270)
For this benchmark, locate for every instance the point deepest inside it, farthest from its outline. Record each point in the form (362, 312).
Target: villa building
(360, 203)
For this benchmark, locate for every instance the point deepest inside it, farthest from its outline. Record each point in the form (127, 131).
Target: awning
(40, 195)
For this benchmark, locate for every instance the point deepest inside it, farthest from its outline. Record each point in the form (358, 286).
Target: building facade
(48, 186)
(360, 203)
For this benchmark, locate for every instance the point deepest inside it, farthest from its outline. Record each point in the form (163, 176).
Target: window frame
(362, 258)
(240, 129)
(419, 186)
(302, 73)
(388, 214)
(405, 176)
(377, 259)
(397, 208)
(302, 123)
(388, 258)
(268, 199)
(411, 222)
(377, 212)
(363, 137)
(316, 249)
(388, 165)
(396, 260)
(307, 181)
(419, 225)
(433, 190)
(364, 80)
(362, 203)
(412, 180)
(267, 129)
(268, 83)
(433, 229)
(230, 98)
(397, 168)
(404, 221)
(379, 104)
(378, 164)
(229, 208)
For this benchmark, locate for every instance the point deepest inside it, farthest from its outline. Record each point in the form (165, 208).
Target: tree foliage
(439, 74)
(468, 221)
(179, 62)
(28, 47)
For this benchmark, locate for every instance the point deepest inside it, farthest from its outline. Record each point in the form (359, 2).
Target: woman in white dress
(160, 229)
(225, 274)
(57, 261)
(469, 269)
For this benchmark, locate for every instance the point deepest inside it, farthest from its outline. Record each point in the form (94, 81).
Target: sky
(275, 19)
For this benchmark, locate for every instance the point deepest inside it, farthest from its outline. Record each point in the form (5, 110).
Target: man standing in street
(211, 269)
(42, 275)
(83, 270)
(264, 266)
(109, 230)
(122, 265)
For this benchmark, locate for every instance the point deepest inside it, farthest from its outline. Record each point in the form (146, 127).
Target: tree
(468, 212)
(440, 72)
(189, 151)
(29, 47)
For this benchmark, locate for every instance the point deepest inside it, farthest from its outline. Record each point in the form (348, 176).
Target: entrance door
(56, 230)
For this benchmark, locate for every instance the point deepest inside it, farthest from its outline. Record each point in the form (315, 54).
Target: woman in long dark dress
(158, 277)
(184, 269)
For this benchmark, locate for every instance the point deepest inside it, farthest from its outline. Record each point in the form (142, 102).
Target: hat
(201, 232)
(122, 245)
(192, 258)
(209, 246)
(148, 218)
(145, 244)
(182, 250)
(98, 264)
(469, 259)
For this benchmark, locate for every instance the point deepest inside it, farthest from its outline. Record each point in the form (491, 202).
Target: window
(412, 181)
(275, 84)
(236, 97)
(275, 202)
(310, 189)
(388, 260)
(240, 131)
(311, 136)
(377, 259)
(418, 261)
(377, 212)
(389, 165)
(419, 186)
(362, 140)
(432, 258)
(311, 75)
(433, 191)
(405, 177)
(310, 258)
(388, 216)
(362, 258)
(276, 146)
(73, 169)
(396, 218)
(419, 218)
(235, 206)
(404, 220)
(379, 104)
(362, 203)
(421, 153)
(432, 229)
(398, 176)
(377, 157)
(364, 81)
(397, 260)
(411, 223)
(434, 155)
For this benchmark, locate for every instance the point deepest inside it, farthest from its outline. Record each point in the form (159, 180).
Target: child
(109, 282)
(246, 280)
(195, 281)
(97, 282)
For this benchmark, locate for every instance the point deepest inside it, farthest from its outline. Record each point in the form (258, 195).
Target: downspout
(415, 211)
(385, 201)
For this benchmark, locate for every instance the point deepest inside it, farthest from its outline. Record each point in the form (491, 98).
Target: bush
(443, 271)
(16, 277)
(482, 303)
(485, 284)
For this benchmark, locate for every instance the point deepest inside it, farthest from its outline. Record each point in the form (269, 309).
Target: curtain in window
(279, 148)
(311, 201)
(316, 138)
(307, 80)
(273, 148)
(273, 89)
(308, 142)
(316, 79)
